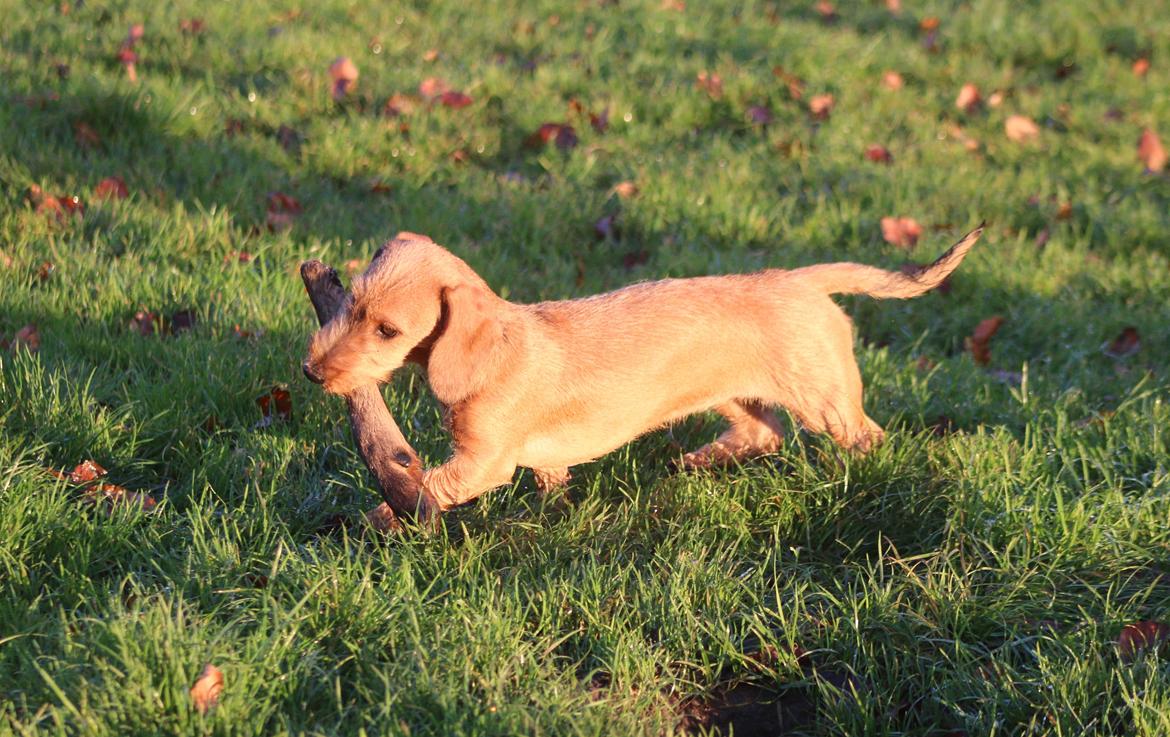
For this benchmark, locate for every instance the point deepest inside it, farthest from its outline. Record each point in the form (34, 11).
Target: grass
(963, 582)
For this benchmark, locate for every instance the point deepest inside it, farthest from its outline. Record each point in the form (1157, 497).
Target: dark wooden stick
(395, 465)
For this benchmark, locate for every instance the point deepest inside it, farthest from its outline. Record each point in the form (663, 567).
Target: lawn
(988, 570)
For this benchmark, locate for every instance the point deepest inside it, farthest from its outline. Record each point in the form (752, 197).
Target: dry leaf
(85, 472)
(901, 232)
(1150, 151)
(431, 55)
(454, 100)
(969, 98)
(711, 83)
(559, 133)
(879, 154)
(979, 341)
(625, 190)
(432, 87)
(205, 693)
(275, 405)
(344, 74)
(192, 26)
(85, 135)
(891, 80)
(1124, 345)
(181, 321)
(400, 104)
(28, 337)
(111, 188)
(383, 519)
(1021, 128)
(894, 6)
(1141, 636)
(1141, 66)
(821, 106)
(282, 211)
(995, 99)
(827, 11)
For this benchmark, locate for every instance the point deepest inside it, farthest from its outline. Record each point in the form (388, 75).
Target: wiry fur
(550, 385)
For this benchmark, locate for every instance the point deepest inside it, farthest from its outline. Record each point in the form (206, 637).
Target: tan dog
(550, 385)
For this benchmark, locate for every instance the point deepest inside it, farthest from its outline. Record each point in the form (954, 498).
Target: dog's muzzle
(311, 373)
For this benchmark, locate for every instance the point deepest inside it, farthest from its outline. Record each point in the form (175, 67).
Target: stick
(396, 468)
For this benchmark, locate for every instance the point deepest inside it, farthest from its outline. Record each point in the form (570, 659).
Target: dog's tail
(851, 278)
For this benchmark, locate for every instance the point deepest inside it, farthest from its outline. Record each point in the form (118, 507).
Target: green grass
(964, 583)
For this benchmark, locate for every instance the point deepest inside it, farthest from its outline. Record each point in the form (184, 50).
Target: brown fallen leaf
(454, 100)
(995, 99)
(820, 106)
(1150, 151)
(625, 190)
(827, 11)
(978, 343)
(145, 323)
(275, 405)
(181, 321)
(432, 87)
(113, 495)
(111, 188)
(85, 135)
(129, 59)
(711, 83)
(344, 74)
(599, 121)
(6, 260)
(1127, 343)
(561, 134)
(1021, 128)
(192, 26)
(794, 83)
(28, 338)
(901, 231)
(969, 99)
(205, 693)
(1141, 66)
(431, 55)
(879, 154)
(1140, 636)
(289, 139)
(238, 257)
(894, 6)
(283, 209)
(891, 80)
(383, 519)
(86, 471)
(400, 104)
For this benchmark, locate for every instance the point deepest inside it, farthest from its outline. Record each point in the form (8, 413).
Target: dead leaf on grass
(111, 188)
(276, 405)
(1151, 152)
(969, 99)
(821, 106)
(1138, 637)
(1124, 345)
(344, 74)
(978, 343)
(711, 83)
(879, 154)
(626, 190)
(1021, 128)
(205, 693)
(891, 80)
(283, 209)
(900, 231)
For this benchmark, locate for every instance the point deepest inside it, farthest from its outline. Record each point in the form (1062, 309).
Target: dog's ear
(470, 346)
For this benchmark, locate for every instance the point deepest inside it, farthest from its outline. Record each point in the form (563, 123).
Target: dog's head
(415, 302)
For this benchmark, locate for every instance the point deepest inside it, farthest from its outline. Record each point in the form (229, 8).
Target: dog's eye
(387, 331)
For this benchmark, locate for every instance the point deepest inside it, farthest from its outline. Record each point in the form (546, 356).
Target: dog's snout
(311, 373)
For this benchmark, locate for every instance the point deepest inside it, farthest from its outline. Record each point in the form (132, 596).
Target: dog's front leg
(465, 476)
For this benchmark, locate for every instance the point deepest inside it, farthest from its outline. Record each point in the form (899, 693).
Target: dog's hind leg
(755, 431)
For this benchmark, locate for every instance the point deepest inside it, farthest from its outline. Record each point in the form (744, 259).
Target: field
(1000, 566)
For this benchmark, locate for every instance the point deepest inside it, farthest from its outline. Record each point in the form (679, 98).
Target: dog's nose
(311, 373)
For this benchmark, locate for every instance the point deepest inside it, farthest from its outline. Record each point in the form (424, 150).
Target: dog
(550, 385)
